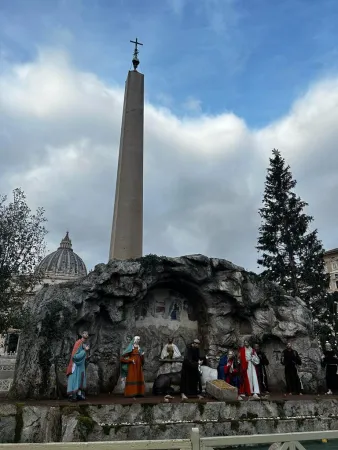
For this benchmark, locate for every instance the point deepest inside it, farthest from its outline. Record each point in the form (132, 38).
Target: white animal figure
(208, 374)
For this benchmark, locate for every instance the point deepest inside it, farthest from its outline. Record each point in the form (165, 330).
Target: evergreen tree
(326, 321)
(291, 254)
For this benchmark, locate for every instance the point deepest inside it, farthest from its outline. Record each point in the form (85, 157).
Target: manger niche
(273, 347)
(166, 307)
(165, 312)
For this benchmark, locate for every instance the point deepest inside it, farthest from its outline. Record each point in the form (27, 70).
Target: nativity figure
(290, 361)
(191, 371)
(329, 361)
(261, 370)
(170, 350)
(248, 360)
(76, 370)
(132, 369)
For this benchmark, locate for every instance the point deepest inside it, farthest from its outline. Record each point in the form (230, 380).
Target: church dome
(64, 263)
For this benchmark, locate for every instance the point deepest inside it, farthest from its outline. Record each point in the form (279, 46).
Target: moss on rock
(234, 425)
(201, 408)
(147, 412)
(18, 422)
(85, 426)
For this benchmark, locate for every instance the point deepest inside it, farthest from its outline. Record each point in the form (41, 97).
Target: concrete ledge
(79, 422)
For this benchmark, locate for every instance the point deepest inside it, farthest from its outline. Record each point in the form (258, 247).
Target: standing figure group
(245, 370)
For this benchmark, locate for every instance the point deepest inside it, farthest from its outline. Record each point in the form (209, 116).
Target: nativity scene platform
(120, 399)
(156, 298)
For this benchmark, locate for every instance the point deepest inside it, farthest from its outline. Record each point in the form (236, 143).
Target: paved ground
(106, 399)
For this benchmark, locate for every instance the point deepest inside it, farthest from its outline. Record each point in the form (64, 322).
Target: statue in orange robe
(132, 369)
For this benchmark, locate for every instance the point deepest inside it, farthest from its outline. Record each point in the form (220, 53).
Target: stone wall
(7, 366)
(23, 423)
(157, 297)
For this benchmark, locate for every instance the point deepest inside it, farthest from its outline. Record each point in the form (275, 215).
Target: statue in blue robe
(76, 371)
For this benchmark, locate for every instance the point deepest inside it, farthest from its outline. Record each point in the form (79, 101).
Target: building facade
(331, 264)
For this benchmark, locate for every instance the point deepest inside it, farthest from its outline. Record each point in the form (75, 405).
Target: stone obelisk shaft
(127, 232)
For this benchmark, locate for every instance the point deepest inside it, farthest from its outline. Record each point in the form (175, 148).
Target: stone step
(7, 361)
(9, 375)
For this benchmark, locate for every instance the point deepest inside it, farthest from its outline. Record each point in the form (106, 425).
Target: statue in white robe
(170, 350)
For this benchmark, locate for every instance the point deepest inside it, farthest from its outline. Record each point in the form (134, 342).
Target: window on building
(334, 265)
(337, 284)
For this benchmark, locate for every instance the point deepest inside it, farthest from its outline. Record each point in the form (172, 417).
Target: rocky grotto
(157, 297)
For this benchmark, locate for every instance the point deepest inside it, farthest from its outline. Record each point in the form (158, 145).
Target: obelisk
(127, 231)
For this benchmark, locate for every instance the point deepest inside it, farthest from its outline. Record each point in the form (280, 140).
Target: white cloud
(204, 176)
(177, 6)
(193, 105)
(51, 88)
(222, 15)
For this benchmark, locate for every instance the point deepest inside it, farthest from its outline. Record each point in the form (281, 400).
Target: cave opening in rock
(101, 327)
(273, 347)
(173, 308)
(244, 327)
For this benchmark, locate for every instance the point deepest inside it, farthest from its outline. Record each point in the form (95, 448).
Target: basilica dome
(64, 264)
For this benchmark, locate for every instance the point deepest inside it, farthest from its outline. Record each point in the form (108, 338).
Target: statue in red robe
(249, 380)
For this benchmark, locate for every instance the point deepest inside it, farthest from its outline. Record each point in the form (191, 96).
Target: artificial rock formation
(157, 297)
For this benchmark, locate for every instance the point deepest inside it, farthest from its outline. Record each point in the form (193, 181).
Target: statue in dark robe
(190, 375)
(261, 370)
(290, 360)
(330, 362)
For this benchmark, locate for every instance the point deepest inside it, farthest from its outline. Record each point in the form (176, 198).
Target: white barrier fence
(288, 441)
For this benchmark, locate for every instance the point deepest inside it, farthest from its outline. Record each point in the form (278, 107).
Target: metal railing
(288, 441)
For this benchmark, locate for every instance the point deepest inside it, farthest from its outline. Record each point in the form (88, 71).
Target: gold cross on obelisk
(136, 61)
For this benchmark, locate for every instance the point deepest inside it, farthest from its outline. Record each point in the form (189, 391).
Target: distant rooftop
(331, 252)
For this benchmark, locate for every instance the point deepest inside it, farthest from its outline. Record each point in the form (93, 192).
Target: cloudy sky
(226, 82)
